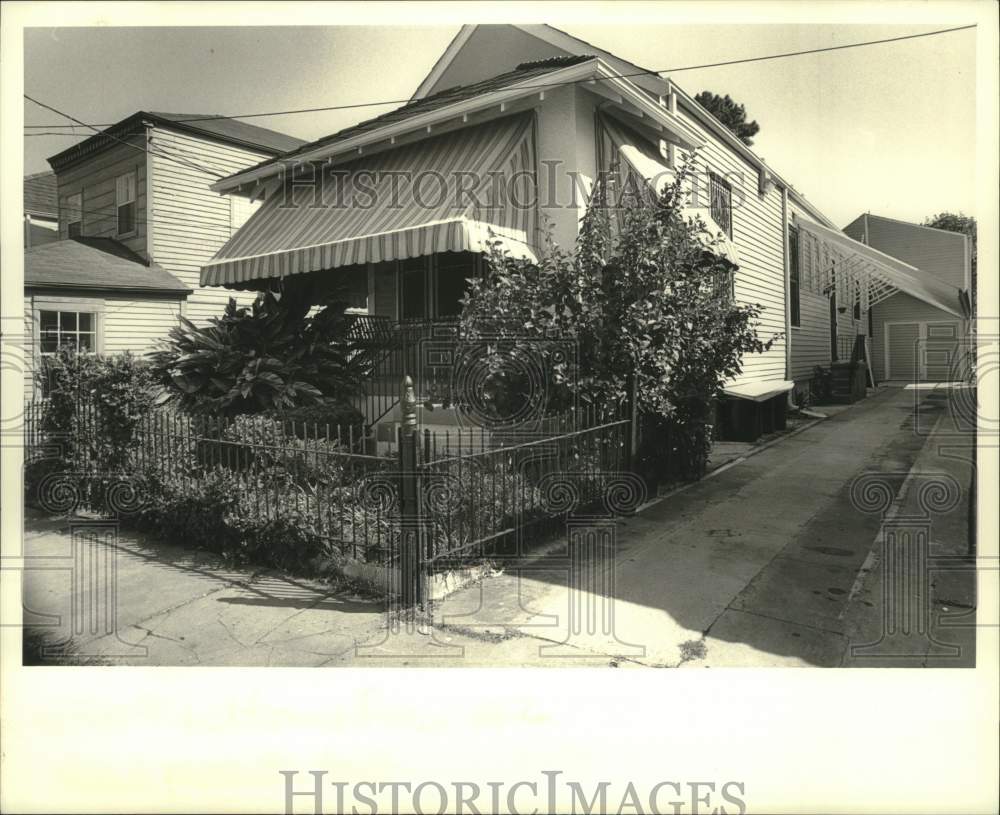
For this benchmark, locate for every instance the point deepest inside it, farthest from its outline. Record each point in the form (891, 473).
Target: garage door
(902, 351)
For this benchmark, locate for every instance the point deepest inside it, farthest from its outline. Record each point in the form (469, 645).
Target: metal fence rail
(435, 501)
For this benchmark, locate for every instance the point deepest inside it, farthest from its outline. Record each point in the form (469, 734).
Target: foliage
(315, 419)
(732, 114)
(93, 407)
(641, 296)
(276, 355)
(821, 385)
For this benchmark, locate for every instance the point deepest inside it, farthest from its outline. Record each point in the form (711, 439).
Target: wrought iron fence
(436, 500)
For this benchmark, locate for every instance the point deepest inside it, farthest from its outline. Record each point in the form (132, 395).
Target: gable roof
(40, 195)
(416, 107)
(211, 126)
(649, 80)
(96, 263)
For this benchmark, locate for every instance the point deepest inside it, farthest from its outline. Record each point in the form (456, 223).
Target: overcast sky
(888, 129)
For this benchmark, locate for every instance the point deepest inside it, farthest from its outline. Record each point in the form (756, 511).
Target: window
(721, 203)
(453, 270)
(857, 300)
(73, 329)
(794, 276)
(413, 285)
(125, 200)
(74, 215)
(356, 282)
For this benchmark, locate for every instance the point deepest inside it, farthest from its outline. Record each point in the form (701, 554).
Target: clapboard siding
(136, 325)
(190, 221)
(758, 234)
(95, 180)
(811, 339)
(903, 308)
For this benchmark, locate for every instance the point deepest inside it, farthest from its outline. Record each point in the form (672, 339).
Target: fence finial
(408, 401)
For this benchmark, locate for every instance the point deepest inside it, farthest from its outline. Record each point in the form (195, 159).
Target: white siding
(759, 236)
(136, 325)
(190, 221)
(811, 340)
(95, 178)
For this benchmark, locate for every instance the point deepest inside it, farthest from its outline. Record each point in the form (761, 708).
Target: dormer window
(125, 202)
(74, 215)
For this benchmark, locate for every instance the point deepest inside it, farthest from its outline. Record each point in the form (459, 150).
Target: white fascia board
(446, 58)
(591, 69)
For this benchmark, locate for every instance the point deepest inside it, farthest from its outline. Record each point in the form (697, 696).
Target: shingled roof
(40, 195)
(96, 263)
(449, 96)
(208, 125)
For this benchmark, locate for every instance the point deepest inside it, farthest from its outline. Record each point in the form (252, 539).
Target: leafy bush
(89, 419)
(274, 356)
(641, 297)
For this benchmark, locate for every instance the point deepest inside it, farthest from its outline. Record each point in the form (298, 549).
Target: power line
(144, 149)
(571, 82)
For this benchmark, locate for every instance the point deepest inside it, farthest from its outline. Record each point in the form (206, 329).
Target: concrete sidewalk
(754, 566)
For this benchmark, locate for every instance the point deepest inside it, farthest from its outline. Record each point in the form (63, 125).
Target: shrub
(274, 356)
(640, 297)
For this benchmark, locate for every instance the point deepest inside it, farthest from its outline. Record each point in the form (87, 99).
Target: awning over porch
(644, 159)
(451, 193)
(859, 273)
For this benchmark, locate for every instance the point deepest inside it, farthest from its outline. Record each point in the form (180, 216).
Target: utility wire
(556, 84)
(145, 149)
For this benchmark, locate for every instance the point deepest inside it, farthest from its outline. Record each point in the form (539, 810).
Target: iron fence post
(411, 523)
(631, 405)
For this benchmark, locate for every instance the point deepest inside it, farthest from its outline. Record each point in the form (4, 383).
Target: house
(546, 114)
(41, 209)
(135, 220)
(913, 338)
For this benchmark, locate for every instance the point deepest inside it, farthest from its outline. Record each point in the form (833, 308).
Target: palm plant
(282, 352)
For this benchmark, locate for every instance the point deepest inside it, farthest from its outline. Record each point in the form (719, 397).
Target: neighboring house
(547, 113)
(41, 209)
(136, 219)
(913, 339)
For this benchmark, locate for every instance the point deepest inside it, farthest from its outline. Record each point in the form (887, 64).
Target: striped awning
(643, 159)
(460, 191)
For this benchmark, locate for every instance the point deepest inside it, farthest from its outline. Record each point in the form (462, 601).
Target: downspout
(788, 292)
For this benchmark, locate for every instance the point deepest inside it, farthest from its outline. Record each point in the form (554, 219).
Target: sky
(888, 129)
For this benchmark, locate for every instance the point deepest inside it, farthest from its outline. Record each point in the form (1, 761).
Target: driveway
(767, 562)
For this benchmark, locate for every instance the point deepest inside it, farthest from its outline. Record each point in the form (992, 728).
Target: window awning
(644, 159)
(456, 192)
(860, 273)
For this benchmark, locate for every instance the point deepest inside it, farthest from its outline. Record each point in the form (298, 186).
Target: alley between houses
(772, 561)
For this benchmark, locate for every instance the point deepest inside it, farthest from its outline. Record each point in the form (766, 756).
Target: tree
(640, 296)
(730, 113)
(273, 356)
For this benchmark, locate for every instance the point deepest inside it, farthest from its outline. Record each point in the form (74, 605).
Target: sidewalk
(755, 566)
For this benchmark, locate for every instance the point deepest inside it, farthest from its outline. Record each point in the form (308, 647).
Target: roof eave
(595, 69)
(178, 293)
